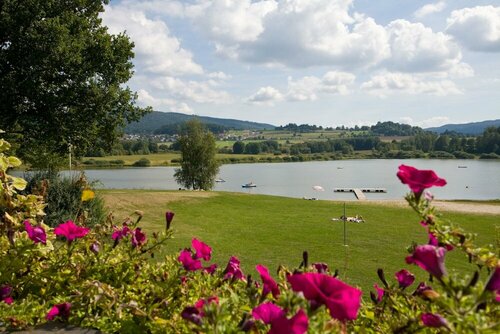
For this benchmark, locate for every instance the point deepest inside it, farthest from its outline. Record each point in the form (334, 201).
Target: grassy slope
(275, 230)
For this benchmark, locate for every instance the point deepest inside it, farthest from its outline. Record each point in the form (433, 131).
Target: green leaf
(19, 183)
(14, 162)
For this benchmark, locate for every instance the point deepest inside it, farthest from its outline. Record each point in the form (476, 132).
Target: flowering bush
(103, 277)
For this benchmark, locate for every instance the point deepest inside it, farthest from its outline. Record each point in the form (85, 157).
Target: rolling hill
(475, 128)
(153, 121)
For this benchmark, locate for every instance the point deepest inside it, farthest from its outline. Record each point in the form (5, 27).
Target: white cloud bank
(476, 28)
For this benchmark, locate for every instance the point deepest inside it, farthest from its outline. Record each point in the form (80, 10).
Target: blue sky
(323, 62)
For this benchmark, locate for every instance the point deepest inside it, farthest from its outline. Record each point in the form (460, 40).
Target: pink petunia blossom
(138, 238)
(342, 300)
(233, 269)
(380, 292)
(429, 258)
(203, 251)
(210, 269)
(190, 264)
(494, 281)
(5, 292)
(269, 284)
(59, 310)
(169, 216)
(419, 180)
(200, 304)
(405, 278)
(433, 320)
(37, 233)
(70, 231)
(192, 314)
(273, 315)
(120, 233)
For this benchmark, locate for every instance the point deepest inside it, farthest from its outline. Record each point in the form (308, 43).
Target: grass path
(276, 230)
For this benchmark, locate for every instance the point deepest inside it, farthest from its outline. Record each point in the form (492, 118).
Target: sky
(322, 62)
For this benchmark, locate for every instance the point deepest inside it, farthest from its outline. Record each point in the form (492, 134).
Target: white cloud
(416, 48)
(219, 76)
(426, 123)
(146, 99)
(309, 87)
(389, 83)
(266, 96)
(430, 9)
(477, 28)
(231, 20)
(195, 91)
(156, 50)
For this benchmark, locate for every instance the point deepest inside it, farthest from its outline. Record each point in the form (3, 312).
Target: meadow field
(275, 231)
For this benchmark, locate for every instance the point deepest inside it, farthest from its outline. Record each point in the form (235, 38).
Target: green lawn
(275, 230)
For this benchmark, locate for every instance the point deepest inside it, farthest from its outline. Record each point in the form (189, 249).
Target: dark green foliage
(199, 166)
(239, 147)
(177, 128)
(156, 120)
(62, 78)
(142, 163)
(395, 129)
(63, 196)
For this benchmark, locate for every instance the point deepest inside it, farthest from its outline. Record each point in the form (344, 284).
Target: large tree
(62, 77)
(199, 166)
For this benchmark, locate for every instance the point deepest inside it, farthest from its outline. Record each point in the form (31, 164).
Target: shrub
(143, 162)
(63, 198)
(463, 155)
(101, 278)
(489, 156)
(441, 155)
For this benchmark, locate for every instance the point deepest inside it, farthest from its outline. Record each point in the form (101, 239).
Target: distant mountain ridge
(155, 120)
(475, 128)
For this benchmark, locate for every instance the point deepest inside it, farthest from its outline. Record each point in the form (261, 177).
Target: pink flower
(138, 238)
(200, 304)
(59, 310)
(273, 315)
(269, 284)
(233, 269)
(342, 300)
(202, 249)
(429, 258)
(210, 269)
(70, 231)
(405, 278)
(321, 267)
(5, 297)
(190, 264)
(192, 314)
(380, 292)
(169, 216)
(120, 233)
(494, 281)
(37, 233)
(433, 320)
(418, 180)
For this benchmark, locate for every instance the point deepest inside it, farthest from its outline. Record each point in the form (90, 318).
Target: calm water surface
(479, 180)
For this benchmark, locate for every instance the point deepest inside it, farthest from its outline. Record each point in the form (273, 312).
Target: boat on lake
(462, 166)
(220, 180)
(249, 185)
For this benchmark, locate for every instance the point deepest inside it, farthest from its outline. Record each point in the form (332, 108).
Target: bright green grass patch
(276, 230)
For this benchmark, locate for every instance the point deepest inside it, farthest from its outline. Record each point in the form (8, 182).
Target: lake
(479, 180)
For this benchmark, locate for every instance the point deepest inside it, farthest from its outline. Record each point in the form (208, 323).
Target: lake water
(480, 179)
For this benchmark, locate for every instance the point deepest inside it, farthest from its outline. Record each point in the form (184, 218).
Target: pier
(359, 192)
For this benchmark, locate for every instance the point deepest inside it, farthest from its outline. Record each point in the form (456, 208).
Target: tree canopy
(199, 166)
(62, 77)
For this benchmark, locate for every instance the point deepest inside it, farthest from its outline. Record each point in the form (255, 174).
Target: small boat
(462, 166)
(249, 185)
(220, 180)
(340, 167)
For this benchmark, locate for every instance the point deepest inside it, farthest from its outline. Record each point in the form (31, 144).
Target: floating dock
(359, 192)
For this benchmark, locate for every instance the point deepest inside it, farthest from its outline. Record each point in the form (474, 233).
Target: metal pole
(345, 236)
(69, 146)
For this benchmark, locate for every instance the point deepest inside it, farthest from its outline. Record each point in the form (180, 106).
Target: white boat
(220, 180)
(249, 185)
